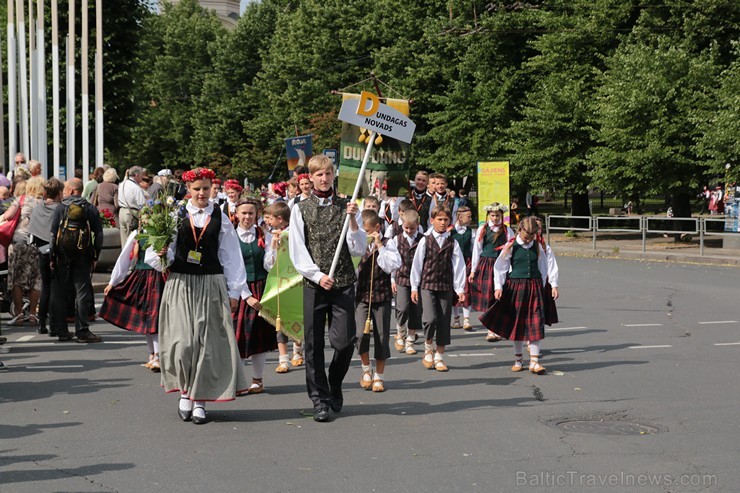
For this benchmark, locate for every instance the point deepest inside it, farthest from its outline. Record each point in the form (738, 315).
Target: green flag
(284, 289)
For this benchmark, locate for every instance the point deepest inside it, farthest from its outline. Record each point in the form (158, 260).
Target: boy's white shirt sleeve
(152, 259)
(542, 263)
(356, 242)
(552, 267)
(394, 242)
(458, 268)
(123, 264)
(417, 264)
(269, 258)
(298, 251)
(477, 248)
(388, 257)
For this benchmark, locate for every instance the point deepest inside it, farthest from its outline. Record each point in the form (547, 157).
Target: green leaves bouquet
(158, 223)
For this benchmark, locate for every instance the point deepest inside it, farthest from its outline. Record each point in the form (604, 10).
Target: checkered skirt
(481, 289)
(134, 304)
(466, 303)
(519, 314)
(254, 335)
(551, 311)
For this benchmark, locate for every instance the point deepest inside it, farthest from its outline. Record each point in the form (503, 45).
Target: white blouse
(503, 263)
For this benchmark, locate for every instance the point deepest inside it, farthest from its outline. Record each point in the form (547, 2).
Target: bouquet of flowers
(107, 218)
(158, 223)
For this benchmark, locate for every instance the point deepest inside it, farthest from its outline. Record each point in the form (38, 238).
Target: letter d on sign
(374, 102)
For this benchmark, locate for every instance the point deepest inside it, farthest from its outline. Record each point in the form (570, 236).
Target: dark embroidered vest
(436, 272)
(140, 264)
(407, 252)
(381, 281)
(524, 262)
(464, 240)
(253, 257)
(323, 226)
(422, 205)
(447, 201)
(208, 247)
(492, 248)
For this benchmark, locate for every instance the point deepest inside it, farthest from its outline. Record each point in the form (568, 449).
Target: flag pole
(43, 140)
(56, 140)
(12, 89)
(85, 75)
(356, 193)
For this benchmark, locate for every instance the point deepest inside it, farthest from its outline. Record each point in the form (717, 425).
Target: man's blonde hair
(319, 162)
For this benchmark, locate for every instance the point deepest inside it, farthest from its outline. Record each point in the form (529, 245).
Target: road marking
(565, 329)
(719, 322)
(125, 342)
(565, 351)
(53, 367)
(642, 325)
(727, 344)
(25, 338)
(650, 347)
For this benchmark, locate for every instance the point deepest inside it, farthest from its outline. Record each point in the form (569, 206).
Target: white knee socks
(258, 365)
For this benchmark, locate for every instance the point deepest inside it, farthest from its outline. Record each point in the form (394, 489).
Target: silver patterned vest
(323, 226)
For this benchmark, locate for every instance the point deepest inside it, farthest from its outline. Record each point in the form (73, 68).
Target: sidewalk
(657, 248)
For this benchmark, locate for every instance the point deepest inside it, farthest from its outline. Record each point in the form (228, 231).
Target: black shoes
(185, 415)
(65, 337)
(337, 401)
(87, 337)
(321, 413)
(197, 418)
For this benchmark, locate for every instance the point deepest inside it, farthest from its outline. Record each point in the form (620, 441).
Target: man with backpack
(76, 242)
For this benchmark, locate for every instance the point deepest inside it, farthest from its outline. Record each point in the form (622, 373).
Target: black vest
(381, 280)
(323, 227)
(422, 206)
(208, 246)
(464, 240)
(436, 272)
(407, 252)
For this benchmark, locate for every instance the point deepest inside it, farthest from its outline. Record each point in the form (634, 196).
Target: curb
(649, 256)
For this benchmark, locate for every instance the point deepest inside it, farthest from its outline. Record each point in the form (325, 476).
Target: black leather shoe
(198, 420)
(42, 329)
(185, 415)
(321, 413)
(66, 337)
(337, 402)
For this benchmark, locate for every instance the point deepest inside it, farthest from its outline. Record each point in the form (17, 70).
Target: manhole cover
(612, 427)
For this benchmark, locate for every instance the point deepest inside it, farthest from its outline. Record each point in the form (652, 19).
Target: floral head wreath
(233, 185)
(198, 174)
(215, 181)
(495, 207)
(303, 176)
(279, 188)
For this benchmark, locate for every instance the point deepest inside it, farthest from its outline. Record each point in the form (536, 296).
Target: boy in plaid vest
(408, 314)
(438, 270)
(373, 293)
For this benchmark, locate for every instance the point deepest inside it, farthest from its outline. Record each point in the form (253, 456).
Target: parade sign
(298, 150)
(283, 295)
(389, 157)
(368, 112)
(493, 186)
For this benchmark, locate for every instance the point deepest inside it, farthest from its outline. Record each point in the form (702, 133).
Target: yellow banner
(493, 186)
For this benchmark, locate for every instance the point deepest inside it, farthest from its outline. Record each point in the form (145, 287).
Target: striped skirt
(197, 348)
(254, 335)
(482, 287)
(134, 304)
(551, 311)
(465, 303)
(519, 314)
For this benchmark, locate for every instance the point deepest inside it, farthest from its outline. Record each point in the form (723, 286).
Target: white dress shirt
(388, 257)
(389, 230)
(478, 244)
(302, 260)
(394, 241)
(503, 263)
(131, 195)
(229, 252)
(458, 262)
(269, 252)
(123, 264)
(552, 267)
(437, 199)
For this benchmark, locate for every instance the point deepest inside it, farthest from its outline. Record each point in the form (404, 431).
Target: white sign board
(368, 112)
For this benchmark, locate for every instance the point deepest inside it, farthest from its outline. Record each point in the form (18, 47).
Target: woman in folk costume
(132, 297)
(490, 239)
(519, 311)
(551, 284)
(198, 352)
(232, 189)
(254, 335)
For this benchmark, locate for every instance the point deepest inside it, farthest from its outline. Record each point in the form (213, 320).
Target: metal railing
(639, 224)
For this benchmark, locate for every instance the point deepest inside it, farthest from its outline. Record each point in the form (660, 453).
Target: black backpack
(74, 237)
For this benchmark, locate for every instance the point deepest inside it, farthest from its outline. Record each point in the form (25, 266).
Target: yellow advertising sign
(493, 186)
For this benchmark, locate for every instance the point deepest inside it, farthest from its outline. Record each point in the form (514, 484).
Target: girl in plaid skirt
(490, 240)
(254, 335)
(518, 313)
(132, 297)
(551, 286)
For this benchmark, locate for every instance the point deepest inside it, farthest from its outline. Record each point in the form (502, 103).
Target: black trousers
(337, 308)
(77, 271)
(45, 269)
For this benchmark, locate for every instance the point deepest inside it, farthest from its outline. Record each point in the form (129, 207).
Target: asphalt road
(646, 354)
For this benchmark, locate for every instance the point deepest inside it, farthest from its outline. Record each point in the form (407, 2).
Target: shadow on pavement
(28, 391)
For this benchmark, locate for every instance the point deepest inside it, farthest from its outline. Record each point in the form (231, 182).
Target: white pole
(55, 84)
(12, 89)
(22, 61)
(71, 92)
(356, 193)
(85, 94)
(32, 101)
(43, 142)
(2, 122)
(99, 149)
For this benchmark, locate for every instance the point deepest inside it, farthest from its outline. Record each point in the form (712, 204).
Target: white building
(227, 10)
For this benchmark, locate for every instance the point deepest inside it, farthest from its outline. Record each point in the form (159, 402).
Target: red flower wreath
(233, 185)
(198, 174)
(303, 176)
